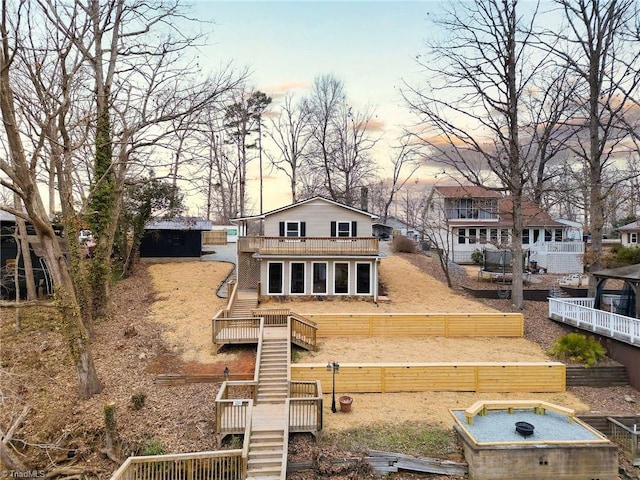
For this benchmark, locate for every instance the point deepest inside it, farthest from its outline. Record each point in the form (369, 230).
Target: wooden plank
(425, 464)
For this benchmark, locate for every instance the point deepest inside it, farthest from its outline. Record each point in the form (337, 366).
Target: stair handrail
(246, 441)
(309, 330)
(285, 444)
(233, 297)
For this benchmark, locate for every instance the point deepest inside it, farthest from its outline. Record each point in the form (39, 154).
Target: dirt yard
(185, 310)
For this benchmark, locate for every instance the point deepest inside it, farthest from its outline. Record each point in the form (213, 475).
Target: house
(181, 237)
(315, 247)
(470, 218)
(630, 234)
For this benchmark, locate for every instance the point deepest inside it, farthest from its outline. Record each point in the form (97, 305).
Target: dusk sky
(369, 45)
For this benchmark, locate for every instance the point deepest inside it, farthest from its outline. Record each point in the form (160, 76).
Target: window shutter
(333, 229)
(303, 229)
(354, 229)
(282, 229)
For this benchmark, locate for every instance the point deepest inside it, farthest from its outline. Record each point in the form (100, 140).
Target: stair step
(268, 446)
(267, 472)
(260, 463)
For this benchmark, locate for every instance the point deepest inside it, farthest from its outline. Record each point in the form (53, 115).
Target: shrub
(576, 347)
(403, 245)
(477, 257)
(137, 400)
(621, 255)
(154, 447)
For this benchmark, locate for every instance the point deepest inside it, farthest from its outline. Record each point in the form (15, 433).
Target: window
(536, 235)
(558, 235)
(461, 236)
(341, 278)
(479, 208)
(493, 235)
(483, 235)
(472, 235)
(275, 280)
(363, 278)
(633, 237)
(297, 278)
(525, 236)
(292, 229)
(548, 235)
(344, 229)
(319, 278)
(504, 236)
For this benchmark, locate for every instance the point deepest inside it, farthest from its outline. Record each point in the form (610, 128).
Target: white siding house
(630, 234)
(316, 247)
(470, 218)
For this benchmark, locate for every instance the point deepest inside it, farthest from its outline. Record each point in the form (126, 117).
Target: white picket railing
(580, 313)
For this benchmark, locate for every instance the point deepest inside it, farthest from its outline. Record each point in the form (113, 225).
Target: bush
(576, 347)
(620, 256)
(137, 400)
(477, 257)
(403, 245)
(154, 447)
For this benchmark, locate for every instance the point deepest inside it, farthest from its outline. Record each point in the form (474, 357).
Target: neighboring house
(473, 218)
(316, 247)
(630, 234)
(181, 237)
(382, 231)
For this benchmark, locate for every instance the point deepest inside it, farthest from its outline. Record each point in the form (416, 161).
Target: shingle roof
(630, 226)
(187, 223)
(466, 191)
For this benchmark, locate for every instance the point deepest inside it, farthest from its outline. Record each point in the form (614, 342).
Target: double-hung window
(292, 229)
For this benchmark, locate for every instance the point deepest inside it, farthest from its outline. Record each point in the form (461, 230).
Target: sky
(369, 45)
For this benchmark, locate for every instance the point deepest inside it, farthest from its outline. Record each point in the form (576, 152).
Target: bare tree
(22, 180)
(601, 47)
(471, 104)
(290, 133)
(342, 141)
(406, 157)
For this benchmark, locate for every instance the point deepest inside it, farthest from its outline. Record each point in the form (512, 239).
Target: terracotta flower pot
(345, 403)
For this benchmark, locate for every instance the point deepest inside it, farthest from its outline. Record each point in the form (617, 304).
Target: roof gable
(306, 202)
(630, 226)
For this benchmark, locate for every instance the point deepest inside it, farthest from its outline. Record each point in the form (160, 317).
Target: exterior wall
(264, 276)
(630, 239)
(160, 243)
(541, 461)
(318, 216)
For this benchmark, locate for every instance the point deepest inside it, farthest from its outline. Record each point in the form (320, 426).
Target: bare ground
(161, 324)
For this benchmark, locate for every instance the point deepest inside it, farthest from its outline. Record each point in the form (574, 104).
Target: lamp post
(334, 368)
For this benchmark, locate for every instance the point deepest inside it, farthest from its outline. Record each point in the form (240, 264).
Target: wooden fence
(419, 325)
(438, 377)
(214, 237)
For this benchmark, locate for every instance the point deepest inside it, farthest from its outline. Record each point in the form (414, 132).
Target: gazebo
(628, 303)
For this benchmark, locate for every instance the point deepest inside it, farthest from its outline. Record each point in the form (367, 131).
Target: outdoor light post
(334, 368)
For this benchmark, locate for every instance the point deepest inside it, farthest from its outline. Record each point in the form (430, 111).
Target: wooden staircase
(245, 303)
(268, 442)
(273, 382)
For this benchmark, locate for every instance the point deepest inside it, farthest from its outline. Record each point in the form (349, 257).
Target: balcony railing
(580, 313)
(309, 245)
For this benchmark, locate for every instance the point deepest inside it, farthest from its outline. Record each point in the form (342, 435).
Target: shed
(180, 237)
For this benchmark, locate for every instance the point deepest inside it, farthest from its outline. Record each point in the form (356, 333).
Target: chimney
(364, 199)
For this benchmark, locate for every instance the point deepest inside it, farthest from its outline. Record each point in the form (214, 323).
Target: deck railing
(275, 317)
(227, 464)
(303, 331)
(305, 406)
(627, 437)
(236, 330)
(558, 247)
(233, 410)
(309, 245)
(580, 313)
